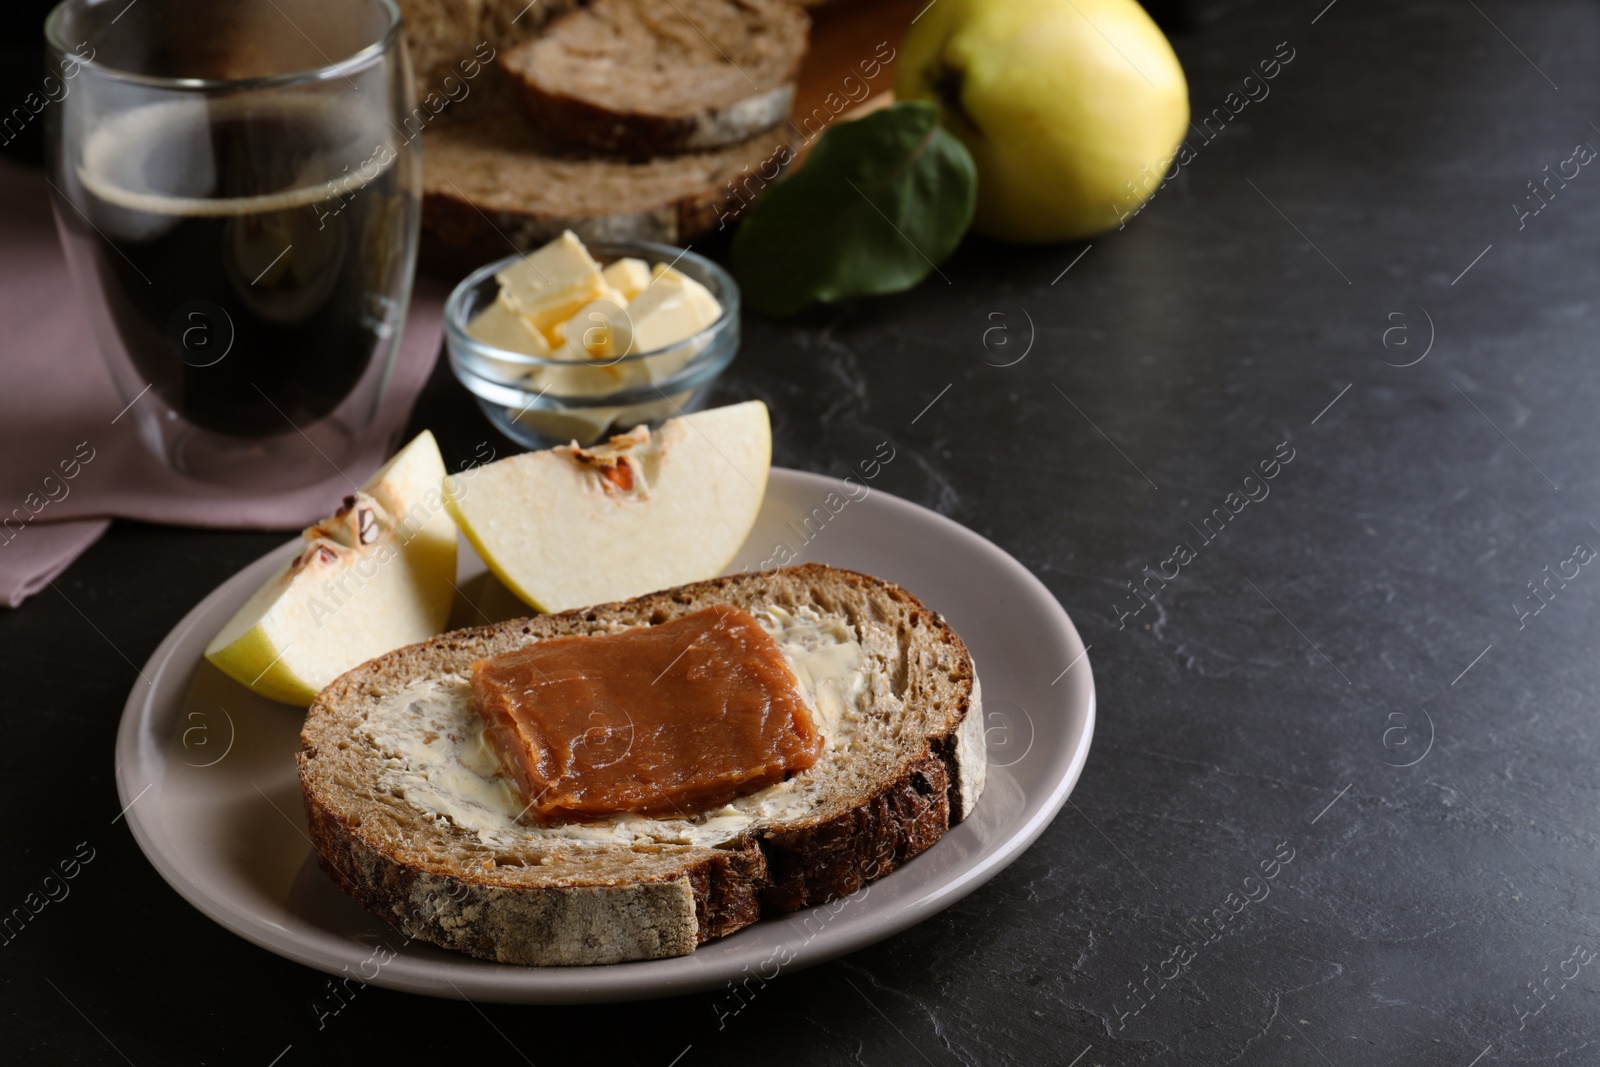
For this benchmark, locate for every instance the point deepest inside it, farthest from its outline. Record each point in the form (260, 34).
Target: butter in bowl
(576, 343)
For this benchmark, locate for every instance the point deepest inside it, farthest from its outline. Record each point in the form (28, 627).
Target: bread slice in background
(646, 77)
(492, 185)
(635, 888)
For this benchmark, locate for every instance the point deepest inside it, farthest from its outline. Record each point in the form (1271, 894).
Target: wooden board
(849, 39)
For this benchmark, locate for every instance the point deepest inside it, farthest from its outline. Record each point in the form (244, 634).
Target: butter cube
(601, 328)
(547, 286)
(499, 326)
(669, 310)
(628, 275)
(707, 305)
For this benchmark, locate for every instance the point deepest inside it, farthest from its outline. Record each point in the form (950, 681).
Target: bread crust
(546, 926)
(492, 185)
(653, 907)
(638, 134)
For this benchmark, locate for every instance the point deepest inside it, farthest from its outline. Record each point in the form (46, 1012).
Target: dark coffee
(247, 257)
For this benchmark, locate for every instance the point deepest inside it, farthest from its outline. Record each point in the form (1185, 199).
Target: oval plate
(206, 769)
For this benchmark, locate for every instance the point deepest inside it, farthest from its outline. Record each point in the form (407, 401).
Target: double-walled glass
(239, 205)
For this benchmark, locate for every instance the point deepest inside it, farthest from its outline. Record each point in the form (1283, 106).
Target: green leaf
(881, 200)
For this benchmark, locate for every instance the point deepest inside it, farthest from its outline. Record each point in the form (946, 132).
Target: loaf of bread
(407, 812)
(645, 77)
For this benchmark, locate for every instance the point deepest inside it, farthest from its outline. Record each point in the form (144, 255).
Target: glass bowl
(540, 402)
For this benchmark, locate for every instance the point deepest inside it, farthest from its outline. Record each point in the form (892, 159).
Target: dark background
(1259, 706)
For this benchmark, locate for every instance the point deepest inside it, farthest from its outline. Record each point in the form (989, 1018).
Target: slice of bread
(407, 813)
(491, 182)
(646, 77)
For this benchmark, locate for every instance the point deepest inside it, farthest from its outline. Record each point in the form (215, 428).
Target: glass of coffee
(239, 205)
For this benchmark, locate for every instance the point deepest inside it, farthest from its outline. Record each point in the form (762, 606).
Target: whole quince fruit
(1072, 109)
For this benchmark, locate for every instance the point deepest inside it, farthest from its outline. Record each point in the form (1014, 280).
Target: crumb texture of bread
(645, 77)
(885, 789)
(446, 37)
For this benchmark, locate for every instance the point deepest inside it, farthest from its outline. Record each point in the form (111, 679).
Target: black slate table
(1374, 679)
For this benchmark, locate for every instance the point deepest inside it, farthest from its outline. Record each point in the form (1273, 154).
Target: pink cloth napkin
(55, 392)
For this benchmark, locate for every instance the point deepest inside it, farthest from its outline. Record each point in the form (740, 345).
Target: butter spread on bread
(446, 765)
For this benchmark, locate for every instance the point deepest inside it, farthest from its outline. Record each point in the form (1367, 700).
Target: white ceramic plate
(206, 769)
